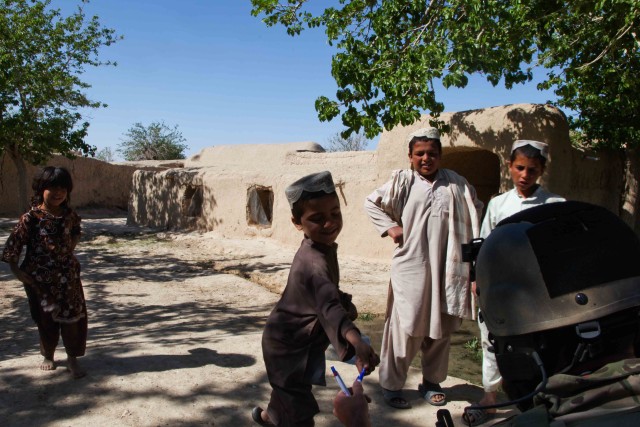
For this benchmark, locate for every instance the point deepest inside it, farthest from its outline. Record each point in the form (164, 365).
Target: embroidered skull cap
(320, 181)
(427, 133)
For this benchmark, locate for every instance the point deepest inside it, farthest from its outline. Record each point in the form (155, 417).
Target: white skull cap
(427, 133)
(320, 181)
(542, 146)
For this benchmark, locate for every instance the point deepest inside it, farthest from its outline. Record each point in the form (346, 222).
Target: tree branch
(606, 50)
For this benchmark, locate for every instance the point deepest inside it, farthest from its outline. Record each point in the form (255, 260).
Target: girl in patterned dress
(49, 271)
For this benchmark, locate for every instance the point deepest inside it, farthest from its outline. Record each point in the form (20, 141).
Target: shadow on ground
(195, 358)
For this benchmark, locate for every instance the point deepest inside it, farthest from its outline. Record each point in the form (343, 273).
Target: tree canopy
(390, 53)
(154, 142)
(42, 56)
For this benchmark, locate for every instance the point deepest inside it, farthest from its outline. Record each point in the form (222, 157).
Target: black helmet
(556, 265)
(552, 269)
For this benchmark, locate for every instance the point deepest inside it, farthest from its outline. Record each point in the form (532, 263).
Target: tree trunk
(630, 198)
(21, 167)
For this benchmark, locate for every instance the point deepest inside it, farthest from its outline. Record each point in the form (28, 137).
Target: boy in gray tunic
(312, 311)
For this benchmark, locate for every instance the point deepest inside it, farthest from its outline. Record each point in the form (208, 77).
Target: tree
(390, 53)
(106, 155)
(154, 142)
(42, 56)
(354, 142)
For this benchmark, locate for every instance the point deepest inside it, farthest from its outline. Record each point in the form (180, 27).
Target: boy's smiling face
(425, 158)
(322, 219)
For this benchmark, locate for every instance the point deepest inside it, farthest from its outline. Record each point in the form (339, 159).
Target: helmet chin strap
(534, 355)
(586, 332)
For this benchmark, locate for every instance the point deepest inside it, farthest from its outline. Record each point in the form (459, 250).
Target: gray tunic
(311, 313)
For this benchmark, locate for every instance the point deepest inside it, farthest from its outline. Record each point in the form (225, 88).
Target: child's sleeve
(332, 315)
(488, 223)
(75, 224)
(347, 304)
(17, 239)
(373, 208)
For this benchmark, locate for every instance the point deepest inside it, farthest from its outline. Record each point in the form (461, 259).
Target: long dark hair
(49, 177)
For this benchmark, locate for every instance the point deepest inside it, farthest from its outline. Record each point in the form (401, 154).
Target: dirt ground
(175, 321)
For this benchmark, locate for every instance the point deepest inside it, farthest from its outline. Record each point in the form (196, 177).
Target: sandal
(395, 399)
(473, 415)
(430, 390)
(256, 414)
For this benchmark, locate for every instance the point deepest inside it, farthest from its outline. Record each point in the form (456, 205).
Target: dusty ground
(175, 322)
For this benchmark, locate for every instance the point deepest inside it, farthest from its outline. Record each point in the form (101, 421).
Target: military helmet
(556, 265)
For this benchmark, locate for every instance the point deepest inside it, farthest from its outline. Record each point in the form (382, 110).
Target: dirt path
(175, 322)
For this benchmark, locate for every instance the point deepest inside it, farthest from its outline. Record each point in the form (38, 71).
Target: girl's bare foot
(47, 364)
(74, 367)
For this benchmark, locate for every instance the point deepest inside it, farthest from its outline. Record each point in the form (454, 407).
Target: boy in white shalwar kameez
(428, 212)
(526, 165)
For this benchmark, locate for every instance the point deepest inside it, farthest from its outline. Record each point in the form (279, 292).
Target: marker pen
(338, 378)
(361, 376)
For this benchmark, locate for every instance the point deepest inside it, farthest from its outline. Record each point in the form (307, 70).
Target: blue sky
(224, 77)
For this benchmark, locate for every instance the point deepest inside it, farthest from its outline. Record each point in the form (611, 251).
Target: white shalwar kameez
(422, 311)
(499, 208)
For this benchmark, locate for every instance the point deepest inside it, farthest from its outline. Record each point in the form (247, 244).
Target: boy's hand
(397, 234)
(352, 411)
(366, 358)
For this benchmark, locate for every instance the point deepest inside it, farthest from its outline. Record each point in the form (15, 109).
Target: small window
(259, 205)
(192, 201)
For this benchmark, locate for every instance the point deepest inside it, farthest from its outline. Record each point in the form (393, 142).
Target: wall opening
(259, 205)
(192, 201)
(480, 167)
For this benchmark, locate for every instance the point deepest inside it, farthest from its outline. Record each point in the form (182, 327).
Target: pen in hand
(361, 376)
(341, 383)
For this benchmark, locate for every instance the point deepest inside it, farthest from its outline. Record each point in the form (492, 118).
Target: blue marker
(361, 376)
(338, 378)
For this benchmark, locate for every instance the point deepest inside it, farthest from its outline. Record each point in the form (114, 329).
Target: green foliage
(354, 142)
(42, 55)
(154, 142)
(474, 348)
(366, 317)
(390, 53)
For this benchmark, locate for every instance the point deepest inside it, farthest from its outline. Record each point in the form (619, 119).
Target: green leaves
(42, 55)
(390, 53)
(326, 109)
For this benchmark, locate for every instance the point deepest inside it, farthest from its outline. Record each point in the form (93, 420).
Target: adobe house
(238, 190)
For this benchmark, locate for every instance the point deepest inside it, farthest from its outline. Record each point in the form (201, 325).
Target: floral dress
(49, 260)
